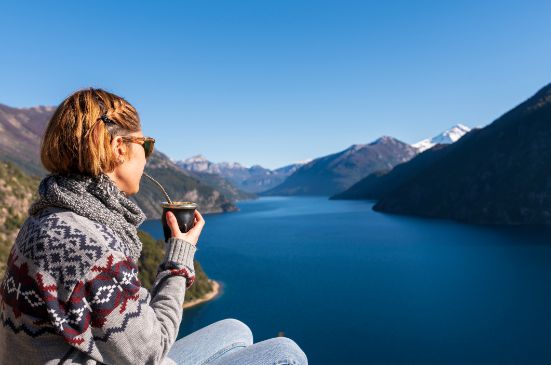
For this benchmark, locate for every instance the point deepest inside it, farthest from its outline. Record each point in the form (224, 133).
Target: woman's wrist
(179, 252)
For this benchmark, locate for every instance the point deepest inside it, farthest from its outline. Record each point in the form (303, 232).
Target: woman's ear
(119, 147)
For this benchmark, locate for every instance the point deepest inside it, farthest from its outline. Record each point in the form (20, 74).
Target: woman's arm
(123, 322)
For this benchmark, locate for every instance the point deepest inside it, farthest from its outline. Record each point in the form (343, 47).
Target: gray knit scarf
(98, 199)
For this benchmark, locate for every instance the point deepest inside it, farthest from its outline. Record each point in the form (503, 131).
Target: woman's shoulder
(63, 244)
(53, 225)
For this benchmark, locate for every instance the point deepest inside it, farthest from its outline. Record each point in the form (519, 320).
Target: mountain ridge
(253, 179)
(500, 174)
(330, 174)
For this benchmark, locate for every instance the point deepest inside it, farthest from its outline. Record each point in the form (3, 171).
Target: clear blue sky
(272, 82)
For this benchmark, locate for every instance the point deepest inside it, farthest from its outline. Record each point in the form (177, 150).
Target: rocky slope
(21, 130)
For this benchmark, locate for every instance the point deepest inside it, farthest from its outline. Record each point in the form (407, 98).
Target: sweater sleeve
(127, 323)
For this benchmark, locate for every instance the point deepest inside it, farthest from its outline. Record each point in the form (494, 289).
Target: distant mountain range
(21, 130)
(334, 173)
(252, 179)
(222, 184)
(500, 174)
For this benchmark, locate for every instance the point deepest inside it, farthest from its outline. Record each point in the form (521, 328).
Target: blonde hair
(78, 136)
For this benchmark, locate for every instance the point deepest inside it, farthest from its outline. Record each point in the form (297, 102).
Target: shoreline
(216, 290)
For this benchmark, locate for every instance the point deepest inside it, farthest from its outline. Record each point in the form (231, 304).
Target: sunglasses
(147, 143)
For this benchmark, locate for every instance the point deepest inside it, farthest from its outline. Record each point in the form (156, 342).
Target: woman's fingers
(199, 218)
(172, 224)
(193, 234)
(199, 223)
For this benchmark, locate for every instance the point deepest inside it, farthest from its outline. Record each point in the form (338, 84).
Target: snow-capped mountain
(250, 179)
(200, 163)
(447, 137)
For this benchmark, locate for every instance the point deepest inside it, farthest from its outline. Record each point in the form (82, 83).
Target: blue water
(352, 286)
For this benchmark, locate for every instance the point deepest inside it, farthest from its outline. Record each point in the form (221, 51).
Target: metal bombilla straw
(160, 186)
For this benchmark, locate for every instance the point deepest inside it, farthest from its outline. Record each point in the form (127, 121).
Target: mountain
(376, 185)
(252, 179)
(21, 130)
(447, 137)
(180, 186)
(380, 183)
(500, 174)
(334, 173)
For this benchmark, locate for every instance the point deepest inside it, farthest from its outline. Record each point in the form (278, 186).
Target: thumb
(172, 223)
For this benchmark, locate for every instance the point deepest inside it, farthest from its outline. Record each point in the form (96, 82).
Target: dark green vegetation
(152, 254)
(17, 190)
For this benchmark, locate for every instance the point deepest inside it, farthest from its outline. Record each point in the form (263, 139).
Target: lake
(353, 286)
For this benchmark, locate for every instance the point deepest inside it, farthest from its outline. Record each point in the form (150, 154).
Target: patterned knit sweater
(71, 295)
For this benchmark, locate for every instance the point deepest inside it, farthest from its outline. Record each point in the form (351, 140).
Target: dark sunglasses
(147, 143)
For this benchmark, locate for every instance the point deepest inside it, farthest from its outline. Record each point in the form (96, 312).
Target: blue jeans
(230, 341)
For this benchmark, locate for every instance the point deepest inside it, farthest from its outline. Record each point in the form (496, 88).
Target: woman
(71, 293)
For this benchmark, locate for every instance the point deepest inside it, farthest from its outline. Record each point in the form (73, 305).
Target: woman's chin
(130, 192)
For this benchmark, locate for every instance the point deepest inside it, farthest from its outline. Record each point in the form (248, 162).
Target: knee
(236, 330)
(288, 352)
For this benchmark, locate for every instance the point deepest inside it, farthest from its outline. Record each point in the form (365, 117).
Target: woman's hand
(192, 236)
